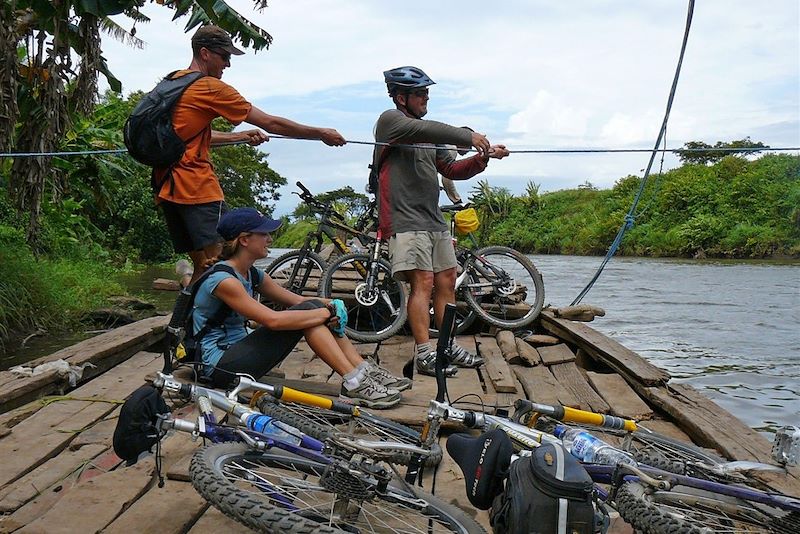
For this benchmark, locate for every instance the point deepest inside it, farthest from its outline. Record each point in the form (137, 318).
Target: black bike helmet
(405, 78)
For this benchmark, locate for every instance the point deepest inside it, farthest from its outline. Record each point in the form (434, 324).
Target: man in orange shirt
(189, 192)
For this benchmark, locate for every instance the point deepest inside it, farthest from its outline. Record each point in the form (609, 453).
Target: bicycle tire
(366, 322)
(247, 485)
(310, 271)
(684, 510)
(506, 303)
(321, 424)
(659, 451)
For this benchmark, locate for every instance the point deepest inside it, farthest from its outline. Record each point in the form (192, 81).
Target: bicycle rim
(279, 492)
(371, 316)
(465, 316)
(298, 275)
(695, 511)
(321, 424)
(505, 289)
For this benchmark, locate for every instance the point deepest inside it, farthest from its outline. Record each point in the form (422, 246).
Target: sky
(529, 74)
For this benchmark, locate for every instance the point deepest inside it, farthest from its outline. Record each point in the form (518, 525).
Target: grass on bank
(47, 293)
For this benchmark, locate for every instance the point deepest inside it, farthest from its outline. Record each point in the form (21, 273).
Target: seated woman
(229, 349)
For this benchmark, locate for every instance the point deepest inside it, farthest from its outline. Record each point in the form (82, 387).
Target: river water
(729, 328)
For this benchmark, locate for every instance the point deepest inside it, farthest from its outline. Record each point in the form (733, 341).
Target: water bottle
(589, 449)
(268, 426)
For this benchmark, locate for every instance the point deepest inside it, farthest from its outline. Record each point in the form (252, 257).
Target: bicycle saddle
(484, 460)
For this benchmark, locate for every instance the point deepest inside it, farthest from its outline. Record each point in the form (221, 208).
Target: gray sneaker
(463, 358)
(426, 365)
(371, 394)
(385, 378)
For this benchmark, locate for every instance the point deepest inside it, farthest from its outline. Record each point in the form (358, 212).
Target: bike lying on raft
(274, 478)
(653, 500)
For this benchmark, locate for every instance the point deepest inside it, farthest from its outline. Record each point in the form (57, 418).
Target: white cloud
(528, 73)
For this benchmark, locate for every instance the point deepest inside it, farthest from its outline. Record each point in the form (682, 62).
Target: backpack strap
(224, 310)
(187, 80)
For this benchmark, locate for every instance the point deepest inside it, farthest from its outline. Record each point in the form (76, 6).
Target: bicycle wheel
(303, 280)
(661, 452)
(321, 424)
(372, 315)
(671, 455)
(685, 510)
(278, 492)
(465, 315)
(504, 288)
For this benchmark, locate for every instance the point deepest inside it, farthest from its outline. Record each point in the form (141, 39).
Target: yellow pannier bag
(467, 221)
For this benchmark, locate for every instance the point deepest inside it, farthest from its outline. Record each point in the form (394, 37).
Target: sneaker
(463, 358)
(371, 394)
(385, 378)
(426, 365)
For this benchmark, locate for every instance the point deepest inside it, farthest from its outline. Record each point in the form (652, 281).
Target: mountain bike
(496, 284)
(274, 478)
(375, 300)
(300, 270)
(651, 499)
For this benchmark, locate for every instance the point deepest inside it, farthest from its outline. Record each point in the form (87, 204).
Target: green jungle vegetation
(69, 225)
(713, 205)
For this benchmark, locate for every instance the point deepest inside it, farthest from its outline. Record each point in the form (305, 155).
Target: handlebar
(317, 205)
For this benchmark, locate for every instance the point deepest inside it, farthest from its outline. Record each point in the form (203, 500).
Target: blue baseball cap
(241, 220)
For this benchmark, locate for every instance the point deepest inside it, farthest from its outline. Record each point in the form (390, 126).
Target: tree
(704, 154)
(346, 201)
(40, 94)
(245, 175)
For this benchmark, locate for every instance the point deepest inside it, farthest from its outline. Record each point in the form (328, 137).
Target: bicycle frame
(330, 220)
(310, 448)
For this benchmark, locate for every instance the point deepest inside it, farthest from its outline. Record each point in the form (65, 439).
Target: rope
(429, 147)
(631, 215)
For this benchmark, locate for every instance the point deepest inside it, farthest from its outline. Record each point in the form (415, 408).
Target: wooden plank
(51, 429)
(633, 367)
(556, 354)
(102, 352)
(171, 509)
(25, 489)
(317, 370)
(708, 423)
(87, 508)
(571, 379)
(508, 346)
(623, 401)
(213, 522)
(670, 429)
(541, 386)
(528, 354)
(537, 340)
(495, 366)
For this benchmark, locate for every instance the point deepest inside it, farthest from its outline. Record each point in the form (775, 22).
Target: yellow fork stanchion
(292, 395)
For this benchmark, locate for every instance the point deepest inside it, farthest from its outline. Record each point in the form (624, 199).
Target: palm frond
(119, 33)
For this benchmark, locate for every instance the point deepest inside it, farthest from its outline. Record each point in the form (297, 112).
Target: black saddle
(484, 460)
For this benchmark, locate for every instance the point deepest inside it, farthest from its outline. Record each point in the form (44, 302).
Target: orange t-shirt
(194, 179)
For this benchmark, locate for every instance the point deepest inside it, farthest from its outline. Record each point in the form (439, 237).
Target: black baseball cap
(214, 38)
(241, 220)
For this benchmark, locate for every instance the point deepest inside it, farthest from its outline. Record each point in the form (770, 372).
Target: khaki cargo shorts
(424, 251)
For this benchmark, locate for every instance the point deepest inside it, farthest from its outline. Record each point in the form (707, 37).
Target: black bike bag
(548, 492)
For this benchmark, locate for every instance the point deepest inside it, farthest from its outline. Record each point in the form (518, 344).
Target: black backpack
(378, 157)
(182, 343)
(148, 132)
(542, 488)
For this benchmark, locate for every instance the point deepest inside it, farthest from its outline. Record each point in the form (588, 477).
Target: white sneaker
(371, 394)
